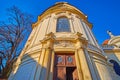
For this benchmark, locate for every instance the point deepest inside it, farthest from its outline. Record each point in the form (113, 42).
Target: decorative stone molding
(108, 47)
(94, 48)
(113, 40)
(64, 40)
(64, 36)
(64, 44)
(49, 36)
(47, 42)
(80, 41)
(63, 13)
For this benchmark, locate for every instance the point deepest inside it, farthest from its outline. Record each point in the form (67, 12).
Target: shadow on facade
(30, 69)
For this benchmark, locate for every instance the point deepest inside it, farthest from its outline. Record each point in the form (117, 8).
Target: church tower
(62, 46)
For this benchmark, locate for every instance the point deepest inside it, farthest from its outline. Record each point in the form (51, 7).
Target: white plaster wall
(25, 72)
(35, 30)
(92, 66)
(75, 24)
(87, 33)
(81, 28)
(103, 71)
(42, 30)
(52, 24)
(118, 55)
(71, 25)
(92, 37)
(30, 39)
(113, 57)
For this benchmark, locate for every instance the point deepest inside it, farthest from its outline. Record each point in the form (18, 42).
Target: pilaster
(80, 46)
(47, 44)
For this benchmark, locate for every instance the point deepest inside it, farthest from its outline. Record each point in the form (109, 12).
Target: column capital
(48, 41)
(48, 37)
(80, 41)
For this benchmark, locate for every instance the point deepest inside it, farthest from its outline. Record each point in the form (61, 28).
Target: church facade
(62, 46)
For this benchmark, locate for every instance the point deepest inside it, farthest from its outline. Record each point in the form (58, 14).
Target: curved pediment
(63, 7)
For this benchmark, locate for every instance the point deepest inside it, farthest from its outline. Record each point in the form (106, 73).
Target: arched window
(63, 25)
(116, 67)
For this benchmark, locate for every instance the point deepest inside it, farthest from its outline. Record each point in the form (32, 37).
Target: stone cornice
(111, 50)
(114, 40)
(96, 53)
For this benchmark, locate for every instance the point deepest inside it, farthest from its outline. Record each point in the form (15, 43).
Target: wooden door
(75, 74)
(65, 67)
(59, 68)
(60, 73)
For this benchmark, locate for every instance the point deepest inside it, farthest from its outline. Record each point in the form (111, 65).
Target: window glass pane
(63, 25)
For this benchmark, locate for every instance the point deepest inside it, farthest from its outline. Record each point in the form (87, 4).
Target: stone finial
(62, 2)
(110, 34)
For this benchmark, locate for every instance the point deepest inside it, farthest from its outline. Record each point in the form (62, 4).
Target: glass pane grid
(63, 25)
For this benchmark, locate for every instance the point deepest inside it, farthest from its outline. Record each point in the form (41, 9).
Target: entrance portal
(65, 67)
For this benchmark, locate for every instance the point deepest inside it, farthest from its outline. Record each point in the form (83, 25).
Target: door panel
(65, 67)
(69, 61)
(60, 60)
(75, 74)
(60, 73)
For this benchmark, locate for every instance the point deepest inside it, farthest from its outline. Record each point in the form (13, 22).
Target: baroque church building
(62, 46)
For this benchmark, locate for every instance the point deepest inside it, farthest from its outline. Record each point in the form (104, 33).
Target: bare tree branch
(12, 35)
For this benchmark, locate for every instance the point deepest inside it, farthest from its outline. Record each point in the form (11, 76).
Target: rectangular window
(63, 25)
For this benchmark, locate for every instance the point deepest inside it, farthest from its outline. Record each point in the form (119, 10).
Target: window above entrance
(63, 25)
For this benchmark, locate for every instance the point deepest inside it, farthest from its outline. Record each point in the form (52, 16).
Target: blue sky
(103, 14)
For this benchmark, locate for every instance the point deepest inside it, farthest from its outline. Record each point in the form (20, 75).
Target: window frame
(68, 28)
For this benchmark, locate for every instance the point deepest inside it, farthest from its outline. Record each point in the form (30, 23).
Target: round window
(69, 59)
(59, 59)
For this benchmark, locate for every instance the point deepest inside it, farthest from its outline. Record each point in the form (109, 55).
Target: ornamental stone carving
(63, 44)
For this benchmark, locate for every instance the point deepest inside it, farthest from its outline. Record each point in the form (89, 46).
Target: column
(71, 25)
(81, 44)
(51, 66)
(80, 76)
(84, 65)
(46, 65)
